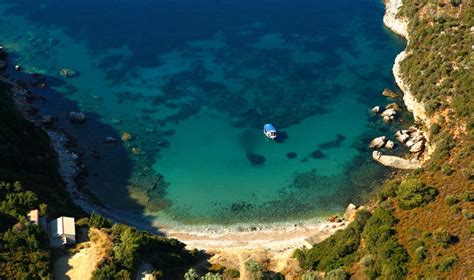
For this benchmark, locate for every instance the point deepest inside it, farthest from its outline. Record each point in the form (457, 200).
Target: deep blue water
(193, 82)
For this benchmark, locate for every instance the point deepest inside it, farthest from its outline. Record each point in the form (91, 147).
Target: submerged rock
(110, 140)
(47, 120)
(67, 73)
(77, 117)
(126, 137)
(291, 155)
(378, 142)
(318, 154)
(256, 159)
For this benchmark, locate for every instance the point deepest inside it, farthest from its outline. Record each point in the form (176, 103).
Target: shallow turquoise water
(193, 82)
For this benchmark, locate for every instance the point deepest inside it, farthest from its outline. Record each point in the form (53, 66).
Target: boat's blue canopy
(269, 127)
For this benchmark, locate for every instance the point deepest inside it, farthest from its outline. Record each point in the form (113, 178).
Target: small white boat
(270, 131)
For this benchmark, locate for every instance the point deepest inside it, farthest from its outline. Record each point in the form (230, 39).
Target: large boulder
(402, 136)
(418, 147)
(389, 144)
(351, 210)
(388, 115)
(388, 93)
(393, 106)
(77, 117)
(378, 142)
(395, 162)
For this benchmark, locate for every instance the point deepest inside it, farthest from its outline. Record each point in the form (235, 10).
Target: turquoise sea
(194, 81)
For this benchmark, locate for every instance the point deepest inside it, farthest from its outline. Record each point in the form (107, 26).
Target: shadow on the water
(107, 166)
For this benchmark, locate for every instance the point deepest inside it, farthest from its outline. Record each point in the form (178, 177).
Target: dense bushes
(130, 247)
(388, 257)
(336, 251)
(25, 252)
(413, 193)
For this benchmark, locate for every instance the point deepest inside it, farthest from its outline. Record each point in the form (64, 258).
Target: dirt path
(81, 264)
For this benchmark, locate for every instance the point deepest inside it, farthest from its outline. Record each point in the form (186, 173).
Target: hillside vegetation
(423, 223)
(29, 179)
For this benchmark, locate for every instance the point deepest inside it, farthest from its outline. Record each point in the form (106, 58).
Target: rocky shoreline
(420, 144)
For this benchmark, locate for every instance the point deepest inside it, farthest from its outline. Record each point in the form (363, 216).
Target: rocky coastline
(399, 25)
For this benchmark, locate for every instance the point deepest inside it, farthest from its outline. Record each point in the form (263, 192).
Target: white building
(62, 231)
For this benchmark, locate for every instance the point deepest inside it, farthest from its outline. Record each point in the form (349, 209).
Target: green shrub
(336, 274)
(451, 200)
(336, 251)
(435, 129)
(467, 214)
(414, 193)
(442, 237)
(468, 196)
(456, 2)
(447, 263)
(255, 269)
(379, 235)
(231, 273)
(99, 221)
(388, 189)
(310, 275)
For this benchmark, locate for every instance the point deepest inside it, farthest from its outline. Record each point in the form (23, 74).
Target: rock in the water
(402, 136)
(318, 154)
(375, 109)
(393, 106)
(3, 65)
(110, 140)
(47, 120)
(291, 155)
(17, 68)
(389, 144)
(378, 142)
(77, 117)
(126, 137)
(395, 162)
(417, 147)
(67, 73)
(389, 113)
(409, 143)
(388, 93)
(256, 159)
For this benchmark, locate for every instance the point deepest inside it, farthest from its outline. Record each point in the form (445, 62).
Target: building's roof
(63, 225)
(33, 216)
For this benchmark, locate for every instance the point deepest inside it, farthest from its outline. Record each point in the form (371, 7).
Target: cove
(193, 82)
